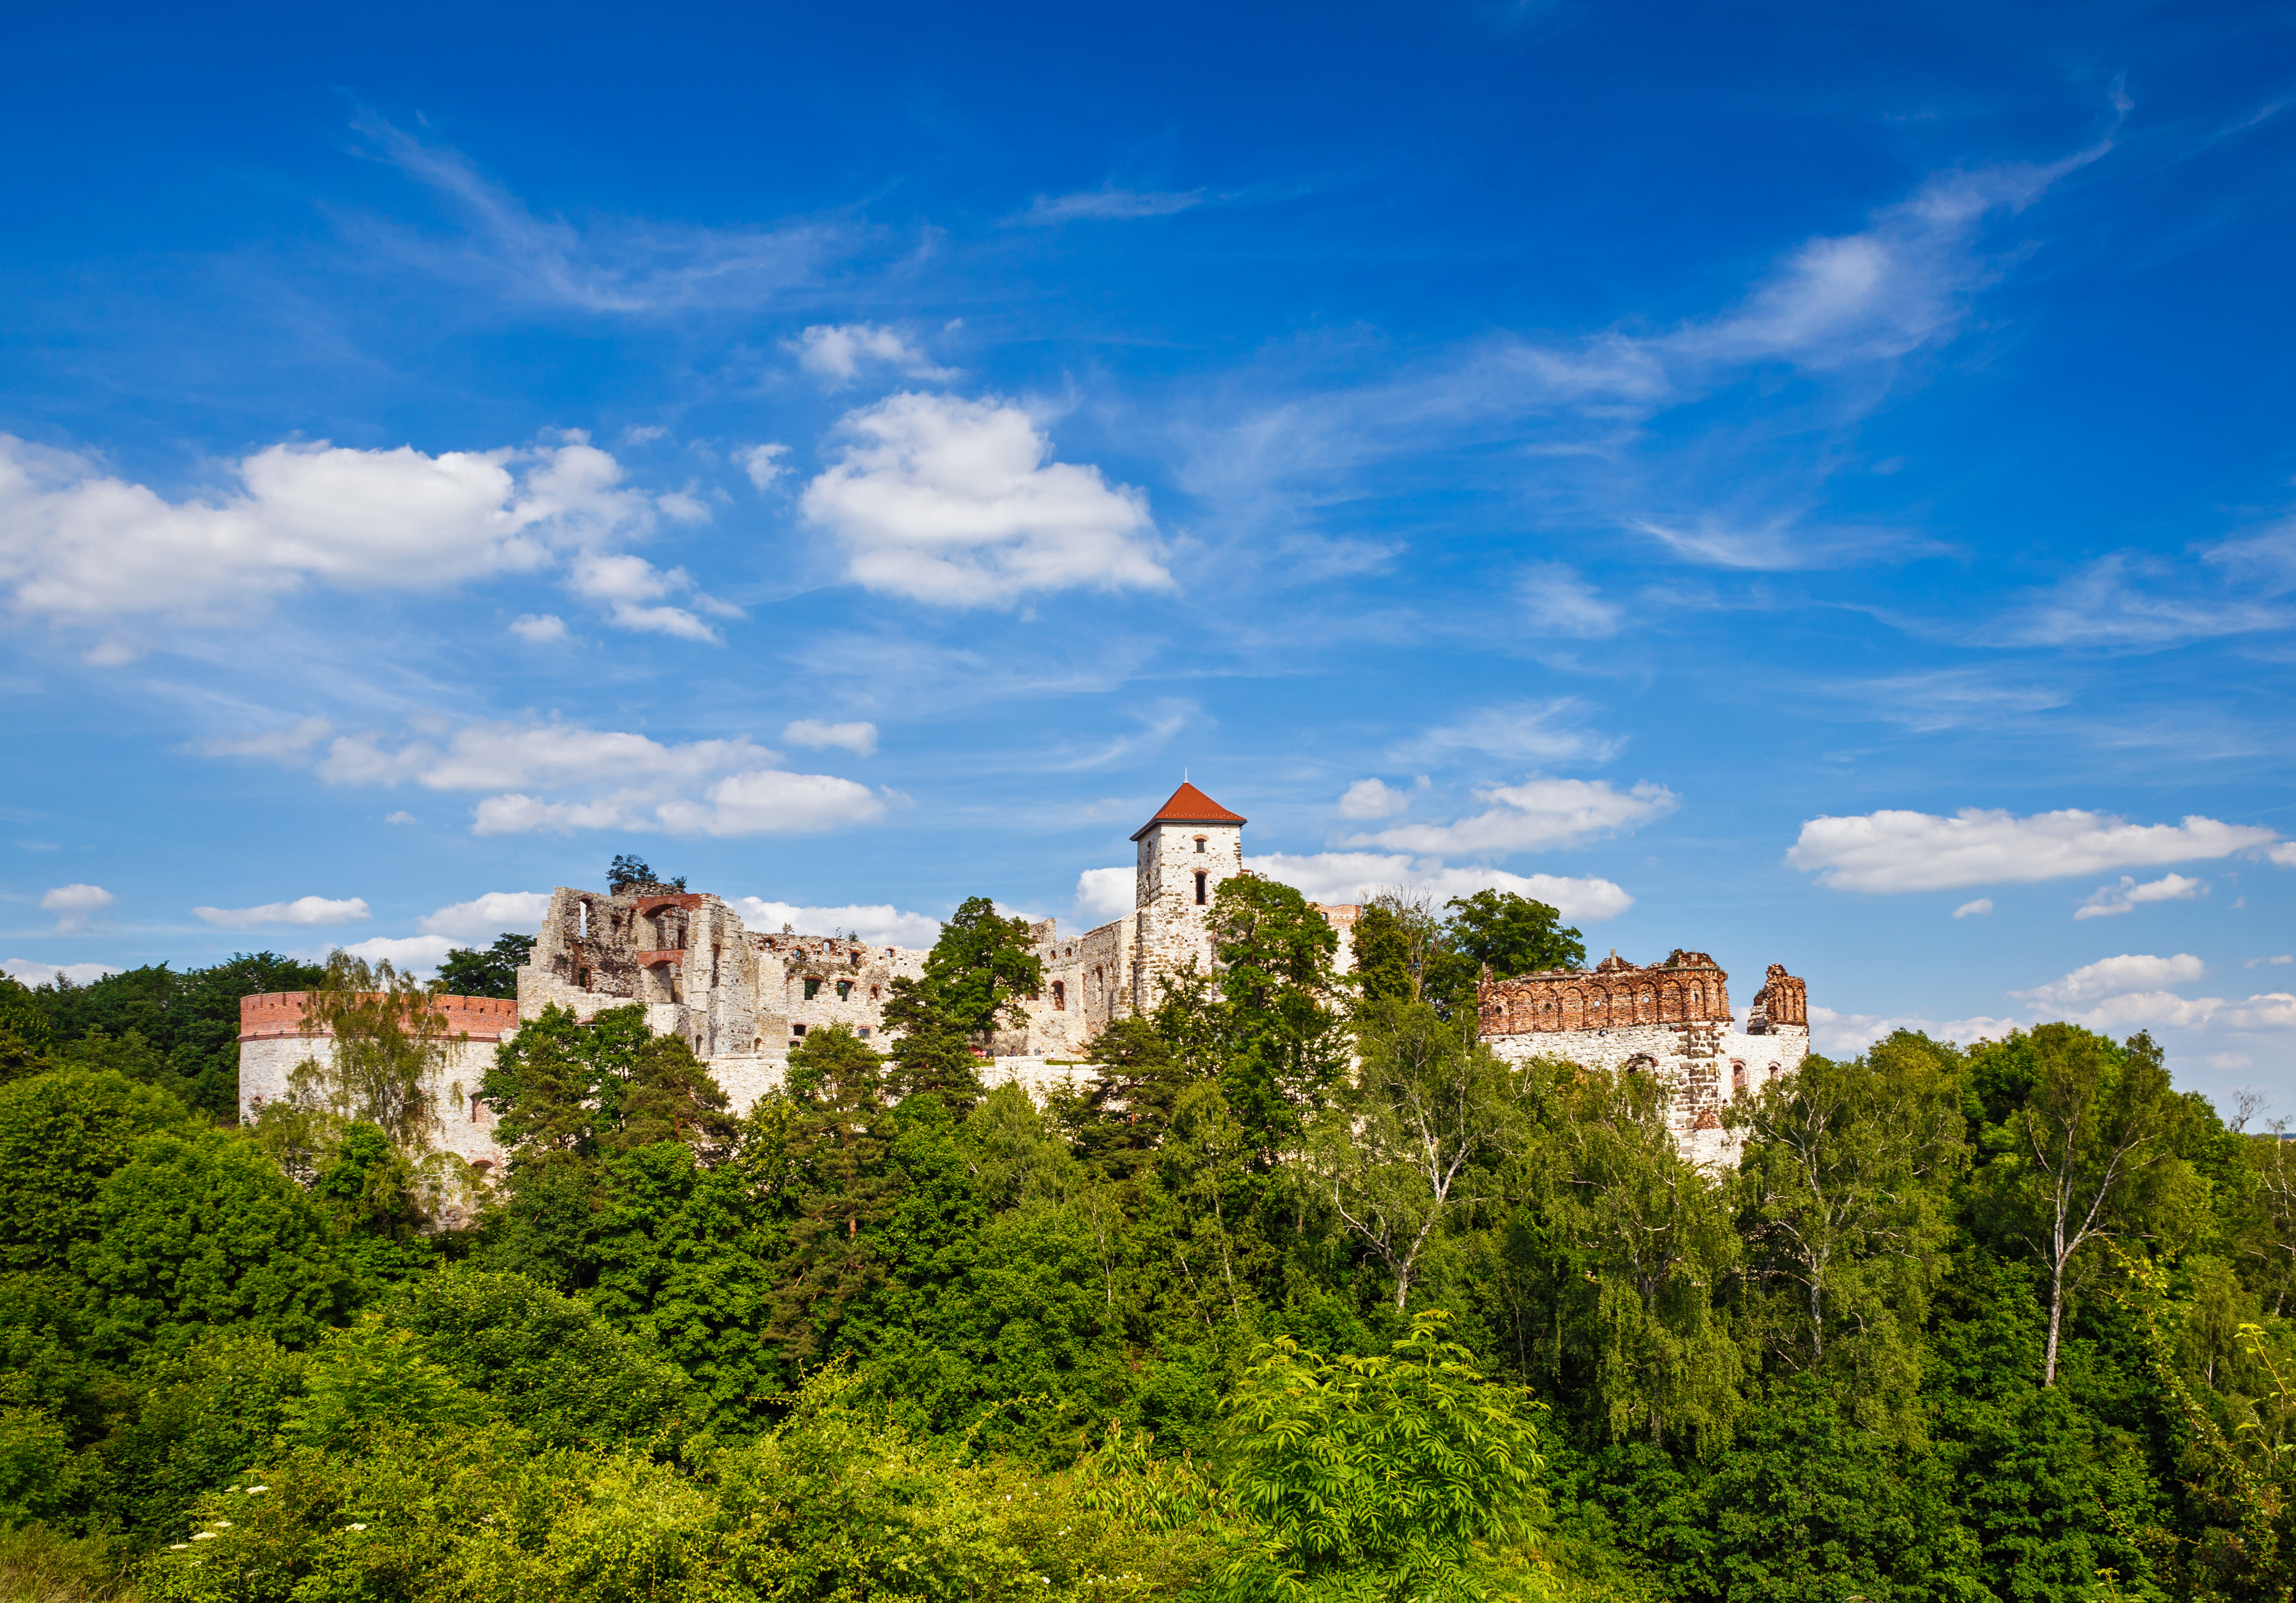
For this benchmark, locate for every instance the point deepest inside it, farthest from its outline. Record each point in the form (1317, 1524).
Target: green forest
(1305, 1296)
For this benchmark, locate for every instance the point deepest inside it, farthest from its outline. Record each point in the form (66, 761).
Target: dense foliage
(1308, 1297)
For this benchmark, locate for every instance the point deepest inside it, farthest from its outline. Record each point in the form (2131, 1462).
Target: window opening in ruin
(477, 1111)
(863, 1031)
(1060, 995)
(873, 993)
(797, 1029)
(812, 989)
(1773, 1071)
(1199, 843)
(1201, 877)
(844, 989)
(1738, 1079)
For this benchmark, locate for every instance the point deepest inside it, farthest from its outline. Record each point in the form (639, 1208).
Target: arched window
(1737, 1079)
(1199, 842)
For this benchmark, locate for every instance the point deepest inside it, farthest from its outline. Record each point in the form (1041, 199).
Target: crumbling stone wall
(1670, 1019)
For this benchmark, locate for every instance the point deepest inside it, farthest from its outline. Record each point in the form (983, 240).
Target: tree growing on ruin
(629, 874)
(387, 1041)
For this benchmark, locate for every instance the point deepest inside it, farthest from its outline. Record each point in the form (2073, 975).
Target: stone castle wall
(743, 999)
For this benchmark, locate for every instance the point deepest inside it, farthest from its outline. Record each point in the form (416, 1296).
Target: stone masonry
(743, 998)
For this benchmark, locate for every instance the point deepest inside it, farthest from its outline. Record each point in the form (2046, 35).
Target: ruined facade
(741, 999)
(1671, 1019)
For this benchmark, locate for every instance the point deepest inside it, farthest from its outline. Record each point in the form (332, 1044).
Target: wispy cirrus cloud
(629, 266)
(1108, 204)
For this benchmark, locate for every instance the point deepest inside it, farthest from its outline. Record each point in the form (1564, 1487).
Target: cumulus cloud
(879, 924)
(2115, 975)
(634, 589)
(2283, 855)
(540, 629)
(2106, 900)
(1974, 910)
(27, 973)
(1372, 799)
(494, 914)
(859, 739)
(400, 817)
(304, 912)
(1536, 812)
(555, 778)
(415, 954)
(1345, 876)
(1103, 893)
(1845, 1034)
(1892, 851)
(75, 906)
(957, 503)
(80, 546)
(837, 352)
(763, 463)
(1110, 204)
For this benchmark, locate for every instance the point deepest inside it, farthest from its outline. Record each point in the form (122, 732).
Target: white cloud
(683, 506)
(1536, 812)
(27, 973)
(1526, 731)
(618, 780)
(956, 503)
(1345, 876)
(2283, 855)
(628, 583)
(837, 352)
(859, 739)
(80, 546)
(770, 802)
(880, 925)
(1892, 851)
(306, 911)
(2132, 603)
(540, 629)
(484, 917)
(1103, 893)
(1372, 799)
(399, 818)
(2270, 962)
(2229, 1060)
(2114, 975)
(77, 905)
(1560, 602)
(1974, 910)
(762, 463)
(2106, 900)
(1845, 1034)
(1110, 204)
(415, 954)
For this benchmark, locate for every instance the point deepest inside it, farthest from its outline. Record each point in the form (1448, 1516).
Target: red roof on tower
(1189, 806)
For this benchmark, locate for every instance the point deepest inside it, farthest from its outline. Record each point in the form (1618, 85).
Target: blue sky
(1811, 487)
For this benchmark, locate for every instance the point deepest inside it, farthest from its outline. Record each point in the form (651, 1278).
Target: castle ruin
(743, 999)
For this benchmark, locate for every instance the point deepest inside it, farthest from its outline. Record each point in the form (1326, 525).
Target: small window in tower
(1201, 878)
(1199, 842)
(797, 1029)
(812, 989)
(844, 989)
(1060, 995)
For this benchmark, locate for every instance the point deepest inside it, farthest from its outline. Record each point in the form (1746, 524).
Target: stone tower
(1184, 852)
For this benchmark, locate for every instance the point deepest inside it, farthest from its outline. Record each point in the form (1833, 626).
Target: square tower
(1184, 852)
